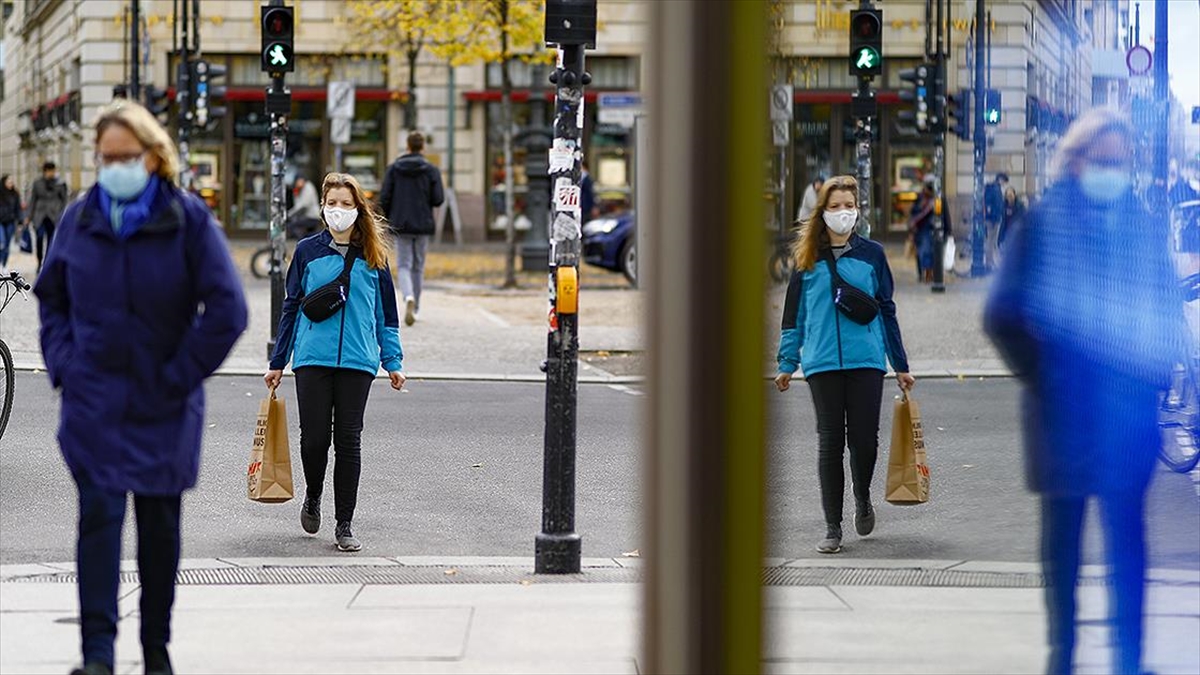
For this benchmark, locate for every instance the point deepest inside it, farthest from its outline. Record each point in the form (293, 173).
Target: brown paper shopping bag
(269, 478)
(908, 472)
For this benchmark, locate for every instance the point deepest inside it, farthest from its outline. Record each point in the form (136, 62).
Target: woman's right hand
(273, 378)
(783, 381)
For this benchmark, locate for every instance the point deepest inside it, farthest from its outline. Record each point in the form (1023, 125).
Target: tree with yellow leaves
(402, 28)
(494, 31)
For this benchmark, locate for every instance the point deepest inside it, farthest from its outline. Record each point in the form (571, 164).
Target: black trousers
(44, 236)
(1125, 545)
(331, 403)
(847, 406)
(98, 554)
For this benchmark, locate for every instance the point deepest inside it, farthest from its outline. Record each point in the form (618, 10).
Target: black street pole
(978, 226)
(535, 250)
(183, 99)
(279, 106)
(135, 86)
(1162, 93)
(939, 153)
(571, 24)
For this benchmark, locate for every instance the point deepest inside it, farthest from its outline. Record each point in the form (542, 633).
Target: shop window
(314, 70)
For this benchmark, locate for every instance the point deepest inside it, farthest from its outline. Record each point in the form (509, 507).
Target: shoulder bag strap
(835, 278)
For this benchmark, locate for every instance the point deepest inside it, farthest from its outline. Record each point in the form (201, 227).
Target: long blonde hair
(146, 129)
(368, 230)
(1084, 131)
(811, 235)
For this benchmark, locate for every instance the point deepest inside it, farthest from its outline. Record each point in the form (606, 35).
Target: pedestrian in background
(412, 187)
(304, 216)
(335, 360)
(993, 216)
(1088, 315)
(139, 303)
(10, 215)
(808, 203)
(843, 361)
(587, 194)
(1014, 215)
(920, 227)
(47, 200)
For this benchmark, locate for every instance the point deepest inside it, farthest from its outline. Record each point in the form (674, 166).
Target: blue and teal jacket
(817, 337)
(363, 335)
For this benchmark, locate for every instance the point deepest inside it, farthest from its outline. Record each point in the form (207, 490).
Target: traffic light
(278, 36)
(158, 101)
(866, 42)
(991, 107)
(205, 75)
(185, 94)
(919, 95)
(958, 113)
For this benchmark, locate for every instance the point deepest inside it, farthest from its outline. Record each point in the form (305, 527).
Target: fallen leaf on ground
(525, 582)
(940, 428)
(450, 572)
(635, 553)
(968, 466)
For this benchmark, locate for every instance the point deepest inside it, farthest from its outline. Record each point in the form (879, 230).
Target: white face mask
(841, 222)
(338, 219)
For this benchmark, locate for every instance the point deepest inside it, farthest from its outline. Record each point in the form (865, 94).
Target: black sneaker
(310, 515)
(864, 519)
(345, 538)
(156, 661)
(832, 543)
(93, 668)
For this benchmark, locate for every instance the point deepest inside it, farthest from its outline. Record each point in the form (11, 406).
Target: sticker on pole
(562, 156)
(565, 227)
(566, 195)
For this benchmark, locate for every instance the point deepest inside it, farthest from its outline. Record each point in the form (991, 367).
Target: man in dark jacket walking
(47, 199)
(411, 188)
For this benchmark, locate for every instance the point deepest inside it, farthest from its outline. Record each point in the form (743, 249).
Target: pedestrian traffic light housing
(919, 95)
(205, 76)
(185, 95)
(866, 42)
(278, 40)
(158, 101)
(991, 109)
(958, 113)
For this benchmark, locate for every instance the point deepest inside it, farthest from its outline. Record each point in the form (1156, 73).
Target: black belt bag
(328, 299)
(852, 301)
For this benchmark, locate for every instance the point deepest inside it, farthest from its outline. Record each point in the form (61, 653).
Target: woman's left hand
(905, 381)
(398, 379)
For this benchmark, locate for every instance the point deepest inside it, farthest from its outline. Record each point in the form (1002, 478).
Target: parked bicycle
(296, 229)
(9, 287)
(1179, 414)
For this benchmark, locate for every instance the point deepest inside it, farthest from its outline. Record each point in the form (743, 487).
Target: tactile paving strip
(425, 575)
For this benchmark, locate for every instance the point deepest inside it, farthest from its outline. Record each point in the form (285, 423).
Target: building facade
(61, 59)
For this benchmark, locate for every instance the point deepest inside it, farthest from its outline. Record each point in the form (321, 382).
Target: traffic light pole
(278, 106)
(979, 238)
(862, 140)
(183, 97)
(558, 548)
(939, 155)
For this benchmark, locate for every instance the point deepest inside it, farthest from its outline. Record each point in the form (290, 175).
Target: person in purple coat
(139, 303)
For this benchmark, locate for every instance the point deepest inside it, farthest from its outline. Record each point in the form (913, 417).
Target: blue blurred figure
(1087, 313)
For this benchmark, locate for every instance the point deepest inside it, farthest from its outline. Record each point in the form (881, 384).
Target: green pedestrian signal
(867, 59)
(991, 110)
(278, 57)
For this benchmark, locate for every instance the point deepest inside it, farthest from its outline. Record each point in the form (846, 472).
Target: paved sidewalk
(490, 615)
(478, 331)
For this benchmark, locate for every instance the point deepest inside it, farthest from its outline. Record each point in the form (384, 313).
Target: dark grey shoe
(864, 519)
(93, 668)
(157, 661)
(345, 538)
(310, 515)
(832, 543)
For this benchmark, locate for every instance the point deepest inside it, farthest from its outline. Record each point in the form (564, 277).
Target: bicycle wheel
(260, 263)
(7, 385)
(1179, 421)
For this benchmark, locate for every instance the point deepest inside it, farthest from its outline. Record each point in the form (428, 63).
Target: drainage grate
(426, 575)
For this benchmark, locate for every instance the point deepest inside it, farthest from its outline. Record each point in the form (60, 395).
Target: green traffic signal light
(866, 59)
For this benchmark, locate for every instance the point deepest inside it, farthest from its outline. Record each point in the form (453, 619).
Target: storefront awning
(520, 95)
(310, 94)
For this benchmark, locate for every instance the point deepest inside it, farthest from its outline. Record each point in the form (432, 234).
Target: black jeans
(101, 514)
(1124, 526)
(331, 403)
(847, 406)
(44, 237)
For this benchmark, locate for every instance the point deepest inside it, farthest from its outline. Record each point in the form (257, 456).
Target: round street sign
(1138, 59)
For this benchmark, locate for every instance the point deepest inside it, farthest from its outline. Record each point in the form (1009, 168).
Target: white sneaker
(410, 310)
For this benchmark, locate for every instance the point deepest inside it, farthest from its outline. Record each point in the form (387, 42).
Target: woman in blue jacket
(335, 359)
(1088, 314)
(139, 303)
(843, 361)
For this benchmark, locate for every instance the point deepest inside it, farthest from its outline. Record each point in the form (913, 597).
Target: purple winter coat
(130, 330)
